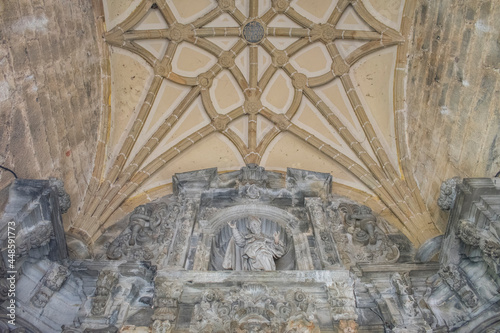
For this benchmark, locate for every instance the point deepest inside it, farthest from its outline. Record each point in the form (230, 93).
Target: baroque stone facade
(334, 266)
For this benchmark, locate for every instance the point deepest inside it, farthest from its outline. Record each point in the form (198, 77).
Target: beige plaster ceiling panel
(240, 127)
(226, 93)
(388, 12)
(191, 121)
(316, 10)
(309, 118)
(263, 127)
(303, 60)
(279, 93)
(373, 75)
(214, 151)
(281, 21)
(224, 20)
(288, 150)
(118, 10)
(264, 61)
(153, 20)
(224, 42)
(156, 47)
(335, 97)
(264, 6)
(170, 95)
(347, 47)
(191, 61)
(188, 10)
(242, 5)
(242, 61)
(282, 43)
(350, 20)
(129, 77)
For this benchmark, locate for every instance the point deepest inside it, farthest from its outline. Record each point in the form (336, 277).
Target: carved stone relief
(50, 283)
(342, 301)
(486, 240)
(404, 292)
(252, 308)
(459, 284)
(252, 244)
(192, 229)
(105, 283)
(165, 305)
(361, 238)
(324, 238)
(63, 197)
(448, 193)
(148, 234)
(183, 232)
(292, 242)
(32, 237)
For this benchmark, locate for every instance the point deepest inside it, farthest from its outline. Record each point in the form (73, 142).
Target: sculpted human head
(254, 224)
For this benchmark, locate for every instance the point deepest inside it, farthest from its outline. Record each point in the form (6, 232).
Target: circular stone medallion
(253, 32)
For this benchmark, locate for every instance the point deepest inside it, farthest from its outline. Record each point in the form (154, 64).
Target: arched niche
(286, 220)
(221, 243)
(216, 232)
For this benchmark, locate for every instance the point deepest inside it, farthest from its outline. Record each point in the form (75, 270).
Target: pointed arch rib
(105, 116)
(337, 12)
(207, 18)
(166, 12)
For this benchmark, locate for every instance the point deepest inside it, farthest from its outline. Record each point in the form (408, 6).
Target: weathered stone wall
(49, 91)
(453, 94)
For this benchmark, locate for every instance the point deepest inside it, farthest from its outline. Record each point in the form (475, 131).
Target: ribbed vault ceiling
(310, 84)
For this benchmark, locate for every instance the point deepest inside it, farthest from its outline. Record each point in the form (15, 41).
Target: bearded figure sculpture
(254, 251)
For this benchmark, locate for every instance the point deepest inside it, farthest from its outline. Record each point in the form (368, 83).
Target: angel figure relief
(254, 251)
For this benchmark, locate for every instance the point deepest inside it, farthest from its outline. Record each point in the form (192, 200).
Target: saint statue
(254, 251)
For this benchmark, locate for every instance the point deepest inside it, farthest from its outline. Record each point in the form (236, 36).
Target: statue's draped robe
(254, 252)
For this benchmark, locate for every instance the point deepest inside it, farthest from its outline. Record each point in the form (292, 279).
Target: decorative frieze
(166, 305)
(254, 307)
(342, 300)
